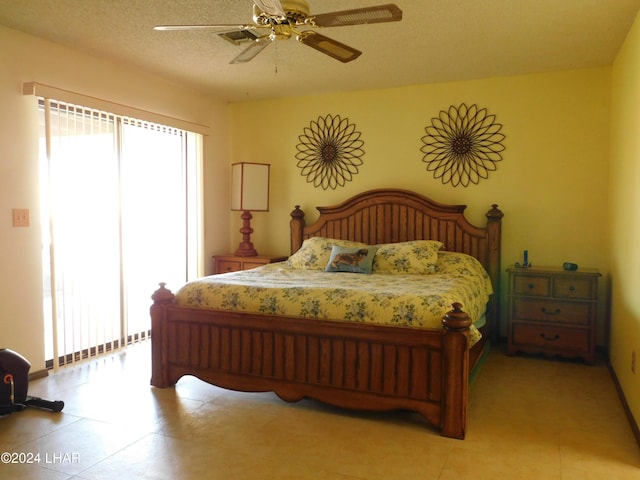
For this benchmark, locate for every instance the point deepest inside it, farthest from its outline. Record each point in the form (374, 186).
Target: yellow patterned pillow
(315, 252)
(415, 257)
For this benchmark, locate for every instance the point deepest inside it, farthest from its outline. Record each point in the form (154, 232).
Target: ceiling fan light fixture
(294, 12)
(270, 7)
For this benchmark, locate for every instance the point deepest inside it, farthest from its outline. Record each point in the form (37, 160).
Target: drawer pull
(550, 339)
(531, 286)
(546, 312)
(572, 288)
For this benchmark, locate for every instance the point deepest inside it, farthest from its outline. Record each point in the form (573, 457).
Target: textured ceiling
(436, 41)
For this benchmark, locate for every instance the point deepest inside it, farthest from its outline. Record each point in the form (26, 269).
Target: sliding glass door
(120, 203)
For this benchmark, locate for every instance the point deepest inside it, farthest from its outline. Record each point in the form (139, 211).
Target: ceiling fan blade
(204, 27)
(252, 50)
(328, 46)
(359, 16)
(271, 7)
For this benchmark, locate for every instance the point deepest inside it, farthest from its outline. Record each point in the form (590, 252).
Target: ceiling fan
(283, 19)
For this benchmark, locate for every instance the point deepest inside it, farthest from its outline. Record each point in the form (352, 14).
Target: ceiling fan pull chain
(276, 59)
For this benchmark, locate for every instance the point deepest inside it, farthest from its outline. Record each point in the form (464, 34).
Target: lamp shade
(250, 186)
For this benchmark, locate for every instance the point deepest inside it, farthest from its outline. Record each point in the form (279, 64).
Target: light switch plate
(20, 217)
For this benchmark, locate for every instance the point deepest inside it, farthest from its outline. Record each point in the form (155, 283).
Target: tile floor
(529, 418)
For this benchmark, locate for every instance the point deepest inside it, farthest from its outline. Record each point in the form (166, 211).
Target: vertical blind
(120, 203)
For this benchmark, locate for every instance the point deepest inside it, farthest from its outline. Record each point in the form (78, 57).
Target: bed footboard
(356, 366)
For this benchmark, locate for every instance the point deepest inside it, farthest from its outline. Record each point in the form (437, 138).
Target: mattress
(405, 300)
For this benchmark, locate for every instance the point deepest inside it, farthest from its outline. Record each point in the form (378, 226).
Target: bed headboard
(395, 215)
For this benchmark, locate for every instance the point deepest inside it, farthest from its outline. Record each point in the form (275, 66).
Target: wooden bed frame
(356, 366)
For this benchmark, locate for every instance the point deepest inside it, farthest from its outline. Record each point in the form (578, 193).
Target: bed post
(494, 232)
(455, 372)
(297, 227)
(162, 298)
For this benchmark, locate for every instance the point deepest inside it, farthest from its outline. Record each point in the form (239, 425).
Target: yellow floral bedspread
(393, 299)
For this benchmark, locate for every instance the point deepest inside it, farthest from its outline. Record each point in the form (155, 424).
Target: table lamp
(249, 193)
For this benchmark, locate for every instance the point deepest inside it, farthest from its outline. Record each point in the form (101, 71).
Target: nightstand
(233, 263)
(553, 311)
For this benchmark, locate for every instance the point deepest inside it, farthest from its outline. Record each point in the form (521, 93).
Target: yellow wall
(552, 184)
(24, 58)
(625, 217)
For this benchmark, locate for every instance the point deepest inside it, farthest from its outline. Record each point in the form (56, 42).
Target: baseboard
(625, 405)
(38, 374)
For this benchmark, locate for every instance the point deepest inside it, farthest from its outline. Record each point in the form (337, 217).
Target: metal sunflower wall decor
(462, 145)
(329, 152)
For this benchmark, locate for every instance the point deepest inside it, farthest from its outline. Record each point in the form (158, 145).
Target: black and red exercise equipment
(14, 384)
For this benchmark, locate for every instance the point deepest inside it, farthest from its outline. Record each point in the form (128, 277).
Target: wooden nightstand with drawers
(553, 311)
(233, 263)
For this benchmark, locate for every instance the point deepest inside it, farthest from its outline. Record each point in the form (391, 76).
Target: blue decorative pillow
(351, 259)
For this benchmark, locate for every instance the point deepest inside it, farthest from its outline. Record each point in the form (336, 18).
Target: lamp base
(245, 249)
